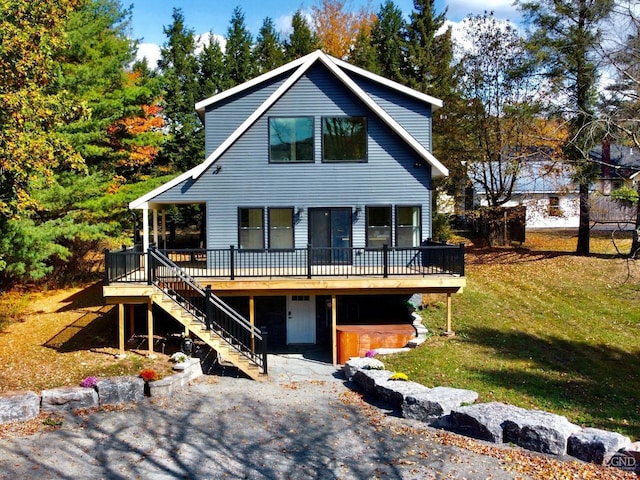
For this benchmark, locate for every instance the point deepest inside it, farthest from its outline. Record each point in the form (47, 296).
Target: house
(547, 190)
(317, 188)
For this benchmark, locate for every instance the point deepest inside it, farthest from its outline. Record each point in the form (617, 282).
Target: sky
(202, 16)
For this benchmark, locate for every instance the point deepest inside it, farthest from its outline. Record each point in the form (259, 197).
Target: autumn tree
(268, 52)
(565, 37)
(184, 146)
(237, 56)
(302, 39)
(337, 26)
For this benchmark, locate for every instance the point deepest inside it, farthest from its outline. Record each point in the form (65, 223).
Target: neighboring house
(317, 188)
(547, 191)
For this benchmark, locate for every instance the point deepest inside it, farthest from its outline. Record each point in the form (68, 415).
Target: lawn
(539, 327)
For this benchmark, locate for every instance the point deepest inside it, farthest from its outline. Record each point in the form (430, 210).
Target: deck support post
(121, 353)
(252, 321)
(449, 332)
(145, 229)
(334, 333)
(155, 228)
(132, 319)
(164, 229)
(150, 326)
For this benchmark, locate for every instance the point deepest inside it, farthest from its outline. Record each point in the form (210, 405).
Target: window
(251, 234)
(290, 139)
(281, 228)
(344, 139)
(408, 231)
(378, 227)
(554, 207)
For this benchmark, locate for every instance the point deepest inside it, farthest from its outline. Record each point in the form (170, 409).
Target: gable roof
(298, 68)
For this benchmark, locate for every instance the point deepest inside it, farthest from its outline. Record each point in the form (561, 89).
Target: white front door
(301, 319)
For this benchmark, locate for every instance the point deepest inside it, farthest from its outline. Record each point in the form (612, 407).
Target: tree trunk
(583, 228)
(635, 245)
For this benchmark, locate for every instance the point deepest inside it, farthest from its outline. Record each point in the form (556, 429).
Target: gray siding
(247, 179)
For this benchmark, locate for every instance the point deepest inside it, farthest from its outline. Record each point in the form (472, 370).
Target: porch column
(449, 331)
(334, 334)
(150, 326)
(252, 321)
(145, 228)
(121, 330)
(132, 320)
(164, 229)
(155, 228)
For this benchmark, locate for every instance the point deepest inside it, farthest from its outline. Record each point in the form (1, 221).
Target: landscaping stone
(539, 431)
(593, 445)
(18, 406)
(394, 391)
(436, 402)
(483, 421)
(358, 363)
(370, 379)
(120, 390)
(68, 398)
(186, 371)
(627, 458)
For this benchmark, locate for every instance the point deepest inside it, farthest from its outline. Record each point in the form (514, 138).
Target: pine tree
(388, 37)
(268, 52)
(237, 59)
(302, 39)
(211, 76)
(566, 36)
(184, 147)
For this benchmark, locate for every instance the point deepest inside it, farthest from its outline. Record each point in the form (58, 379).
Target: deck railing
(431, 258)
(205, 307)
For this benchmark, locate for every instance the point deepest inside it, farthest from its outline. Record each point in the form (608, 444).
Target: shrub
(148, 375)
(399, 376)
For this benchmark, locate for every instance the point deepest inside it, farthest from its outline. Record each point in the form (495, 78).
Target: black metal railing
(205, 307)
(126, 265)
(431, 258)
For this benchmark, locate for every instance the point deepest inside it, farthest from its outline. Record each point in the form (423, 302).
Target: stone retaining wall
(454, 409)
(25, 405)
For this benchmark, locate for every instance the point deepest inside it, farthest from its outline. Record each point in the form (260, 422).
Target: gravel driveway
(222, 427)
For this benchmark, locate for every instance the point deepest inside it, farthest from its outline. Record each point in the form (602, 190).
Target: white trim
(251, 119)
(303, 64)
(201, 105)
(385, 117)
(436, 102)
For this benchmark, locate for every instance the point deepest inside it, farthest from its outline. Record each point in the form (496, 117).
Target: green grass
(541, 328)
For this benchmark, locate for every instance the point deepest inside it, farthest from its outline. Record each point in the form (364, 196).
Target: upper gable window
(344, 139)
(290, 139)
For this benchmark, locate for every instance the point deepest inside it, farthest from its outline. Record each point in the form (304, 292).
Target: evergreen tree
(268, 52)
(211, 77)
(364, 54)
(237, 58)
(302, 39)
(184, 147)
(425, 54)
(566, 36)
(388, 36)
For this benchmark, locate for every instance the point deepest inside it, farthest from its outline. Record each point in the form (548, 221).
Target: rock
(18, 406)
(435, 402)
(188, 371)
(593, 445)
(483, 421)
(627, 458)
(539, 431)
(370, 379)
(68, 398)
(394, 391)
(120, 390)
(358, 363)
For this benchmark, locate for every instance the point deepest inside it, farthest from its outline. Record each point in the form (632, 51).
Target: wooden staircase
(210, 337)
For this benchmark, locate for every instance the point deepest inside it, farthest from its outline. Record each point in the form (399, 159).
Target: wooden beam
(121, 329)
(132, 321)
(334, 330)
(449, 331)
(150, 326)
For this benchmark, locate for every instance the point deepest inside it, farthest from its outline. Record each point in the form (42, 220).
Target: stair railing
(207, 308)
